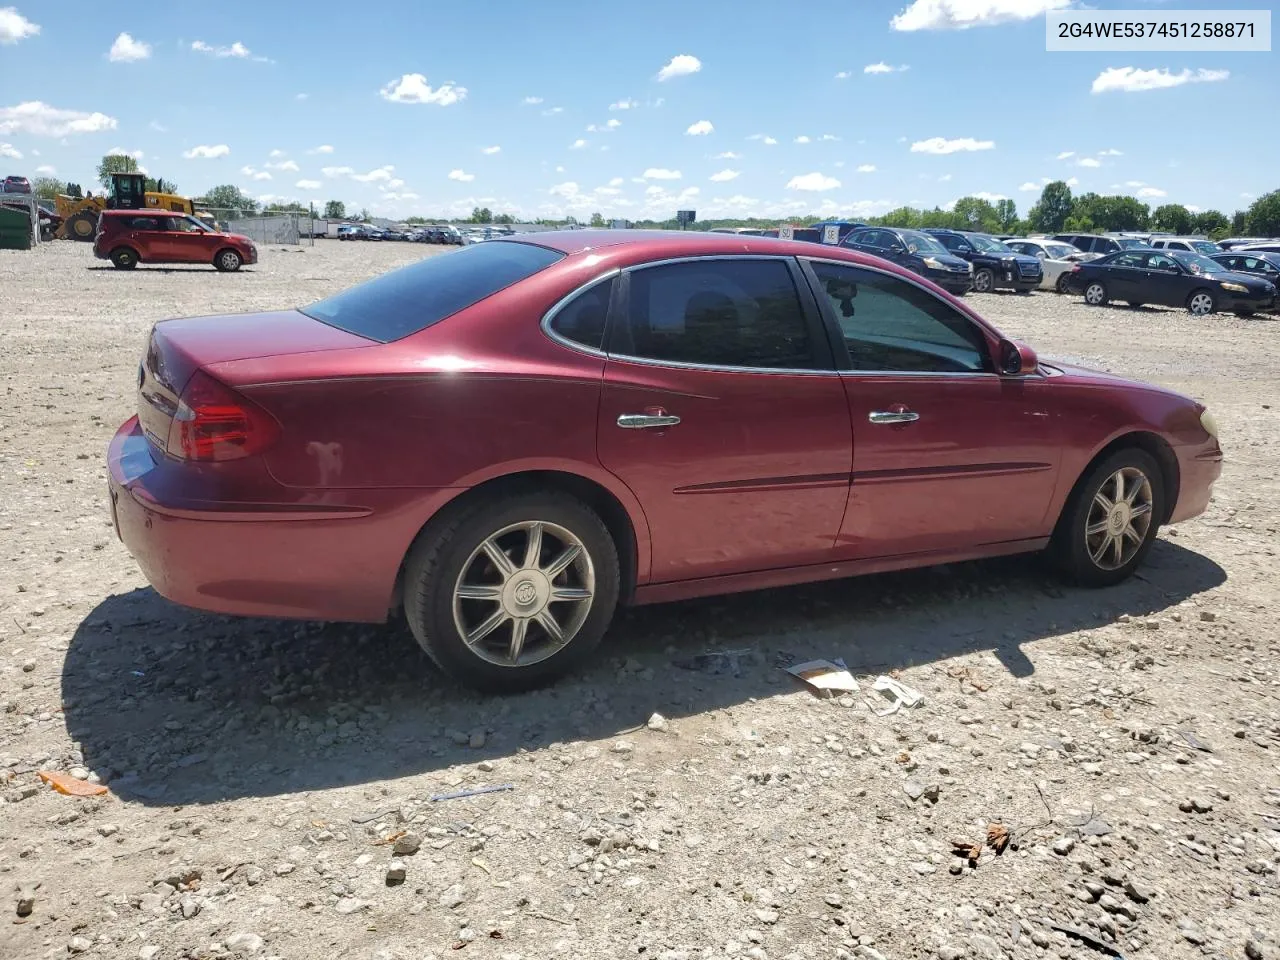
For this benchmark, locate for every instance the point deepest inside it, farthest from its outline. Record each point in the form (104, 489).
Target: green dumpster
(15, 229)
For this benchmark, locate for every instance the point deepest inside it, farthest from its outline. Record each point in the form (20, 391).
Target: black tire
(1100, 298)
(227, 260)
(1073, 547)
(81, 226)
(124, 258)
(1202, 296)
(1061, 285)
(984, 281)
(1244, 314)
(447, 549)
(1136, 305)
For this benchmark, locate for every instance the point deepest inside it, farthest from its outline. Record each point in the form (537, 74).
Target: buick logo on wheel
(525, 593)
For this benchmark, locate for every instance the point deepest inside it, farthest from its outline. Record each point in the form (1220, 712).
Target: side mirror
(1017, 359)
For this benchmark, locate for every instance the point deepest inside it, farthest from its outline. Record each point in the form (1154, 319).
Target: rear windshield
(412, 298)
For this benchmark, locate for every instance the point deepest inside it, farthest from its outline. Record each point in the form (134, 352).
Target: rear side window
(413, 298)
(582, 318)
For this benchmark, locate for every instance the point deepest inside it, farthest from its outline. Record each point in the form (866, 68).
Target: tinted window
(1159, 261)
(868, 238)
(890, 324)
(950, 242)
(412, 298)
(582, 319)
(1128, 260)
(1026, 248)
(144, 223)
(724, 313)
(1252, 263)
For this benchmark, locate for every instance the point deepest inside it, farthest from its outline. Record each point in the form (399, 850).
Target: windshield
(1129, 243)
(921, 243)
(1207, 247)
(988, 245)
(1196, 263)
(193, 224)
(1060, 251)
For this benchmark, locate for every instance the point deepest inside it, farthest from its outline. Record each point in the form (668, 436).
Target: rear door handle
(893, 416)
(646, 421)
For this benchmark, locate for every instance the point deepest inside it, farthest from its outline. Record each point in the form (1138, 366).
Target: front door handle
(893, 416)
(646, 421)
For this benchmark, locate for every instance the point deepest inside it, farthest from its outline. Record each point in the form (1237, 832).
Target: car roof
(652, 244)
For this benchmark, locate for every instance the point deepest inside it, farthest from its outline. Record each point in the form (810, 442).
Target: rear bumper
(301, 560)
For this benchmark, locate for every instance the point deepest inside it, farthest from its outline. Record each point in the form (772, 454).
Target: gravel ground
(271, 783)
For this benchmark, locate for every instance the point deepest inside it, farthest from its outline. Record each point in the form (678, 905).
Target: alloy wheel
(230, 260)
(1119, 518)
(1095, 294)
(1201, 304)
(983, 281)
(524, 593)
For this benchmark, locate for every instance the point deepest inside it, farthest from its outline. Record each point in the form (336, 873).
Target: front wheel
(984, 281)
(1201, 303)
(515, 592)
(228, 261)
(1095, 294)
(1111, 519)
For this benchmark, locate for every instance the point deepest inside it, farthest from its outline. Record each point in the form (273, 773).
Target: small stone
(28, 666)
(658, 722)
(913, 789)
(78, 945)
(476, 740)
(349, 905)
(108, 830)
(1253, 950)
(1201, 804)
(284, 868)
(832, 900)
(190, 907)
(148, 952)
(407, 845)
(395, 873)
(767, 916)
(1208, 616)
(1190, 932)
(454, 897)
(967, 913)
(623, 747)
(1137, 891)
(757, 953)
(924, 868)
(245, 943)
(1040, 939)
(485, 766)
(1063, 846)
(950, 953)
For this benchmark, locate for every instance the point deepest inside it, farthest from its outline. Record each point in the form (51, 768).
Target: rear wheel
(513, 593)
(1202, 302)
(124, 258)
(984, 281)
(228, 261)
(82, 226)
(1061, 285)
(1111, 519)
(1095, 294)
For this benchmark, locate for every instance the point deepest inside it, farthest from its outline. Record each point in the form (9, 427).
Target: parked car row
(955, 260)
(1179, 278)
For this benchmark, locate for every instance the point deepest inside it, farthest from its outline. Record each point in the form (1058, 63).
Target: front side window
(1158, 261)
(722, 313)
(582, 318)
(889, 324)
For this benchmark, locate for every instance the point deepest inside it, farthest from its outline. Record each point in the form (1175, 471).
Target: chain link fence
(280, 227)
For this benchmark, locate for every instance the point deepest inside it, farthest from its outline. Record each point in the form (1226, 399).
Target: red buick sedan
(510, 440)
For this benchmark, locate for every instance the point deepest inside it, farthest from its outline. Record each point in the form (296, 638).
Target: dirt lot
(1129, 739)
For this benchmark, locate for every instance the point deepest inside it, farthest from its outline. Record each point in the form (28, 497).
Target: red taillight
(1076, 268)
(215, 423)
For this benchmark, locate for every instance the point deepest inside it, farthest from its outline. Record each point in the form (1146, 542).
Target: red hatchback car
(130, 237)
(510, 440)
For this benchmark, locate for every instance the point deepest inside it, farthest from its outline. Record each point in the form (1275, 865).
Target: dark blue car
(916, 251)
(995, 265)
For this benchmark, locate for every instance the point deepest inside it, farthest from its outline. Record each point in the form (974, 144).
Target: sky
(842, 108)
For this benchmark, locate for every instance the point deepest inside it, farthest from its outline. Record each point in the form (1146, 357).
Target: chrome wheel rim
(1094, 294)
(1119, 518)
(230, 260)
(982, 282)
(524, 593)
(1201, 304)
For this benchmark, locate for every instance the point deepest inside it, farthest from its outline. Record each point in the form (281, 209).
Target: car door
(186, 242)
(148, 235)
(1167, 282)
(721, 410)
(948, 455)
(1126, 278)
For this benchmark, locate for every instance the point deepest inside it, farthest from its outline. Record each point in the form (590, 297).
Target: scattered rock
(78, 945)
(395, 873)
(1190, 932)
(453, 897)
(1137, 891)
(27, 896)
(247, 944)
(950, 953)
(913, 789)
(148, 952)
(284, 868)
(658, 722)
(767, 916)
(624, 747)
(350, 905)
(407, 845)
(1063, 846)
(1253, 950)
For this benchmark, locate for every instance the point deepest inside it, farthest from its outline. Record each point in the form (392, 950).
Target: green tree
(976, 214)
(597, 220)
(1263, 218)
(1239, 219)
(229, 202)
(1173, 218)
(115, 163)
(504, 218)
(363, 216)
(1212, 223)
(47, 188)
(335, 210)
(1055, 206)
(159, 185)
(481, 215)
(1007, 215)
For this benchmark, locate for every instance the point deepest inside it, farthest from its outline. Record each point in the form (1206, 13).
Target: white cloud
(802, 139)
(613, 124)
(813, 181)
(395, 184)
(608, 191)
(724, 176)
(158, 127)
(38, 119)
(253, 174)
(126, 50)
(727, 155)
(616, 182)
(122, 152)
(661, 173)
(552, 111)
(461, 175)
(237, 50)
(287, 165)
(1133, 80)
(1192, 208)
(490, 151)
(1072, 182)
(700, 129)
(578, 144)
(380, 175)
(10, 151)
(1088, 162)
(568, 189)
(764, 138)
(532, 100)
(963, 14)
(413, 88)
(1152, 192)
(44, 170)
(989, 197)
(204, 152)
(275, 153)
(883, 67)
(829, 138)
(1111, 152)
(624, 105)
(336, 171)
(559, 168)
(399, 196)
(844, 75)
(308, 184)
(939, 145)
(1029, 186)
(1066, 154)
(680, 65)
(945, 178)
(14, 26)
(867, 168)
(301, 96)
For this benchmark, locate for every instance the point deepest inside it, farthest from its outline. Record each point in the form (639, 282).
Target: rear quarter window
(415, 297)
